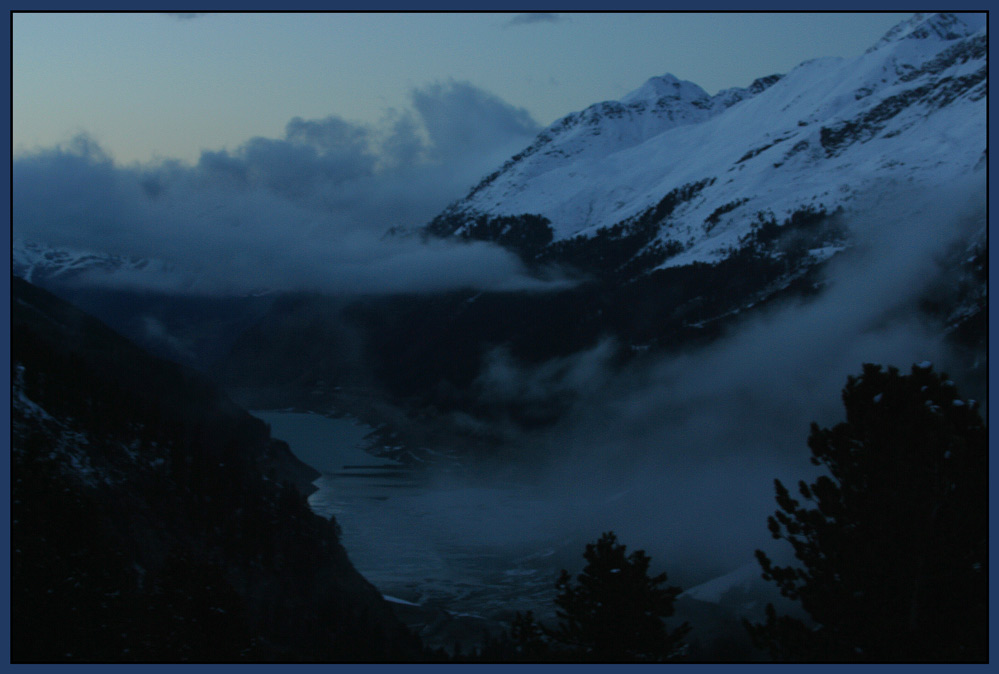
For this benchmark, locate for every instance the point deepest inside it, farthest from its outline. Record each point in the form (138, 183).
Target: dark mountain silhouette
(153, 520)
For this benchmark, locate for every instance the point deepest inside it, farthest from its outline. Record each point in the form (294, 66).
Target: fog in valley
(675, 453)
(494, 341)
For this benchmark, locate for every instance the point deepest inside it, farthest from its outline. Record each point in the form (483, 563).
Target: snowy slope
(743, 579)
(39, 263)
(912, 109)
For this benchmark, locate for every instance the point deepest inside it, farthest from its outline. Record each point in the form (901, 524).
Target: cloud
(535, 17)
(156, 332)
(677, 454)
(185, 16)
(462, 120)
(313, 154)
(308, 210)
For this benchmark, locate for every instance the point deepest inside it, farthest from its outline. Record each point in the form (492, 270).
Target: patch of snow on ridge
(396, 600)
(712, 591)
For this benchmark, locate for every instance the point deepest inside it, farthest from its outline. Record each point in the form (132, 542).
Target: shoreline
(437, 625)
(394, 433)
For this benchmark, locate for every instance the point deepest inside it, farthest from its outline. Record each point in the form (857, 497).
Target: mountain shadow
(153, 520)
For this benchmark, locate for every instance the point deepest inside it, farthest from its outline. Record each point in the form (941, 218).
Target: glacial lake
(474, 551)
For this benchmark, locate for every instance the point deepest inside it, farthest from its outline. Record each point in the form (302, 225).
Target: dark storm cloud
(535, 17)
(309, 210)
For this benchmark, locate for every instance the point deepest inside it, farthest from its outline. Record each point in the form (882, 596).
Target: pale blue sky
(152, 85)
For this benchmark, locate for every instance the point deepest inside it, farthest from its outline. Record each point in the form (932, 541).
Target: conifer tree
(894, 539)
(615, 611)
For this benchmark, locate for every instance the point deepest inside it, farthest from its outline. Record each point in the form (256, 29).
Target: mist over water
(677, 454)
(297, 270)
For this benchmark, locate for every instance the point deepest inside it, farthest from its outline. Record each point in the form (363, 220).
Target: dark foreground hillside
(154, 520)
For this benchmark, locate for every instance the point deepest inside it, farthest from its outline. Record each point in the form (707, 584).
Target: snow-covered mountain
(911, 110)
(63, 269)
(676, 176)
(41, 264)
(684, 212)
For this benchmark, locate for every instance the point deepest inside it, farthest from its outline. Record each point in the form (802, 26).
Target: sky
(250, 151)
(152, 86)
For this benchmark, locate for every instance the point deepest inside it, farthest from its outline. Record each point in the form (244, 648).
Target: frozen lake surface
(460, 557)
(475, 550)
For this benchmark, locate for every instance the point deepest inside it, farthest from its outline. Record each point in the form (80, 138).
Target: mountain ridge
(156, 521)
(907, 110)
(910, 109)
(672, 223)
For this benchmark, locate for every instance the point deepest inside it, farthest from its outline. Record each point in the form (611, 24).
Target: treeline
(891, 542)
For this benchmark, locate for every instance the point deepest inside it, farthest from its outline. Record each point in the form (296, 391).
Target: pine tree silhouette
(615, 610)
(894, 540)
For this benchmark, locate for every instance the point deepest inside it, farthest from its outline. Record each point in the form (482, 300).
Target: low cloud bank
(308, 211)
(678, 454)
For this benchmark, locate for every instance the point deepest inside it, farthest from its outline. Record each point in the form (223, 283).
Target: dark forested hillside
(154, 520)
(429, 351)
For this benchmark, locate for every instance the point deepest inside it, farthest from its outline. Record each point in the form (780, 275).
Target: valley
(637, 323)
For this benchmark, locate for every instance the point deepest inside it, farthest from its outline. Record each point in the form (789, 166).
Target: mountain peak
(831, 128)
(665, 86)
(937, 26)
